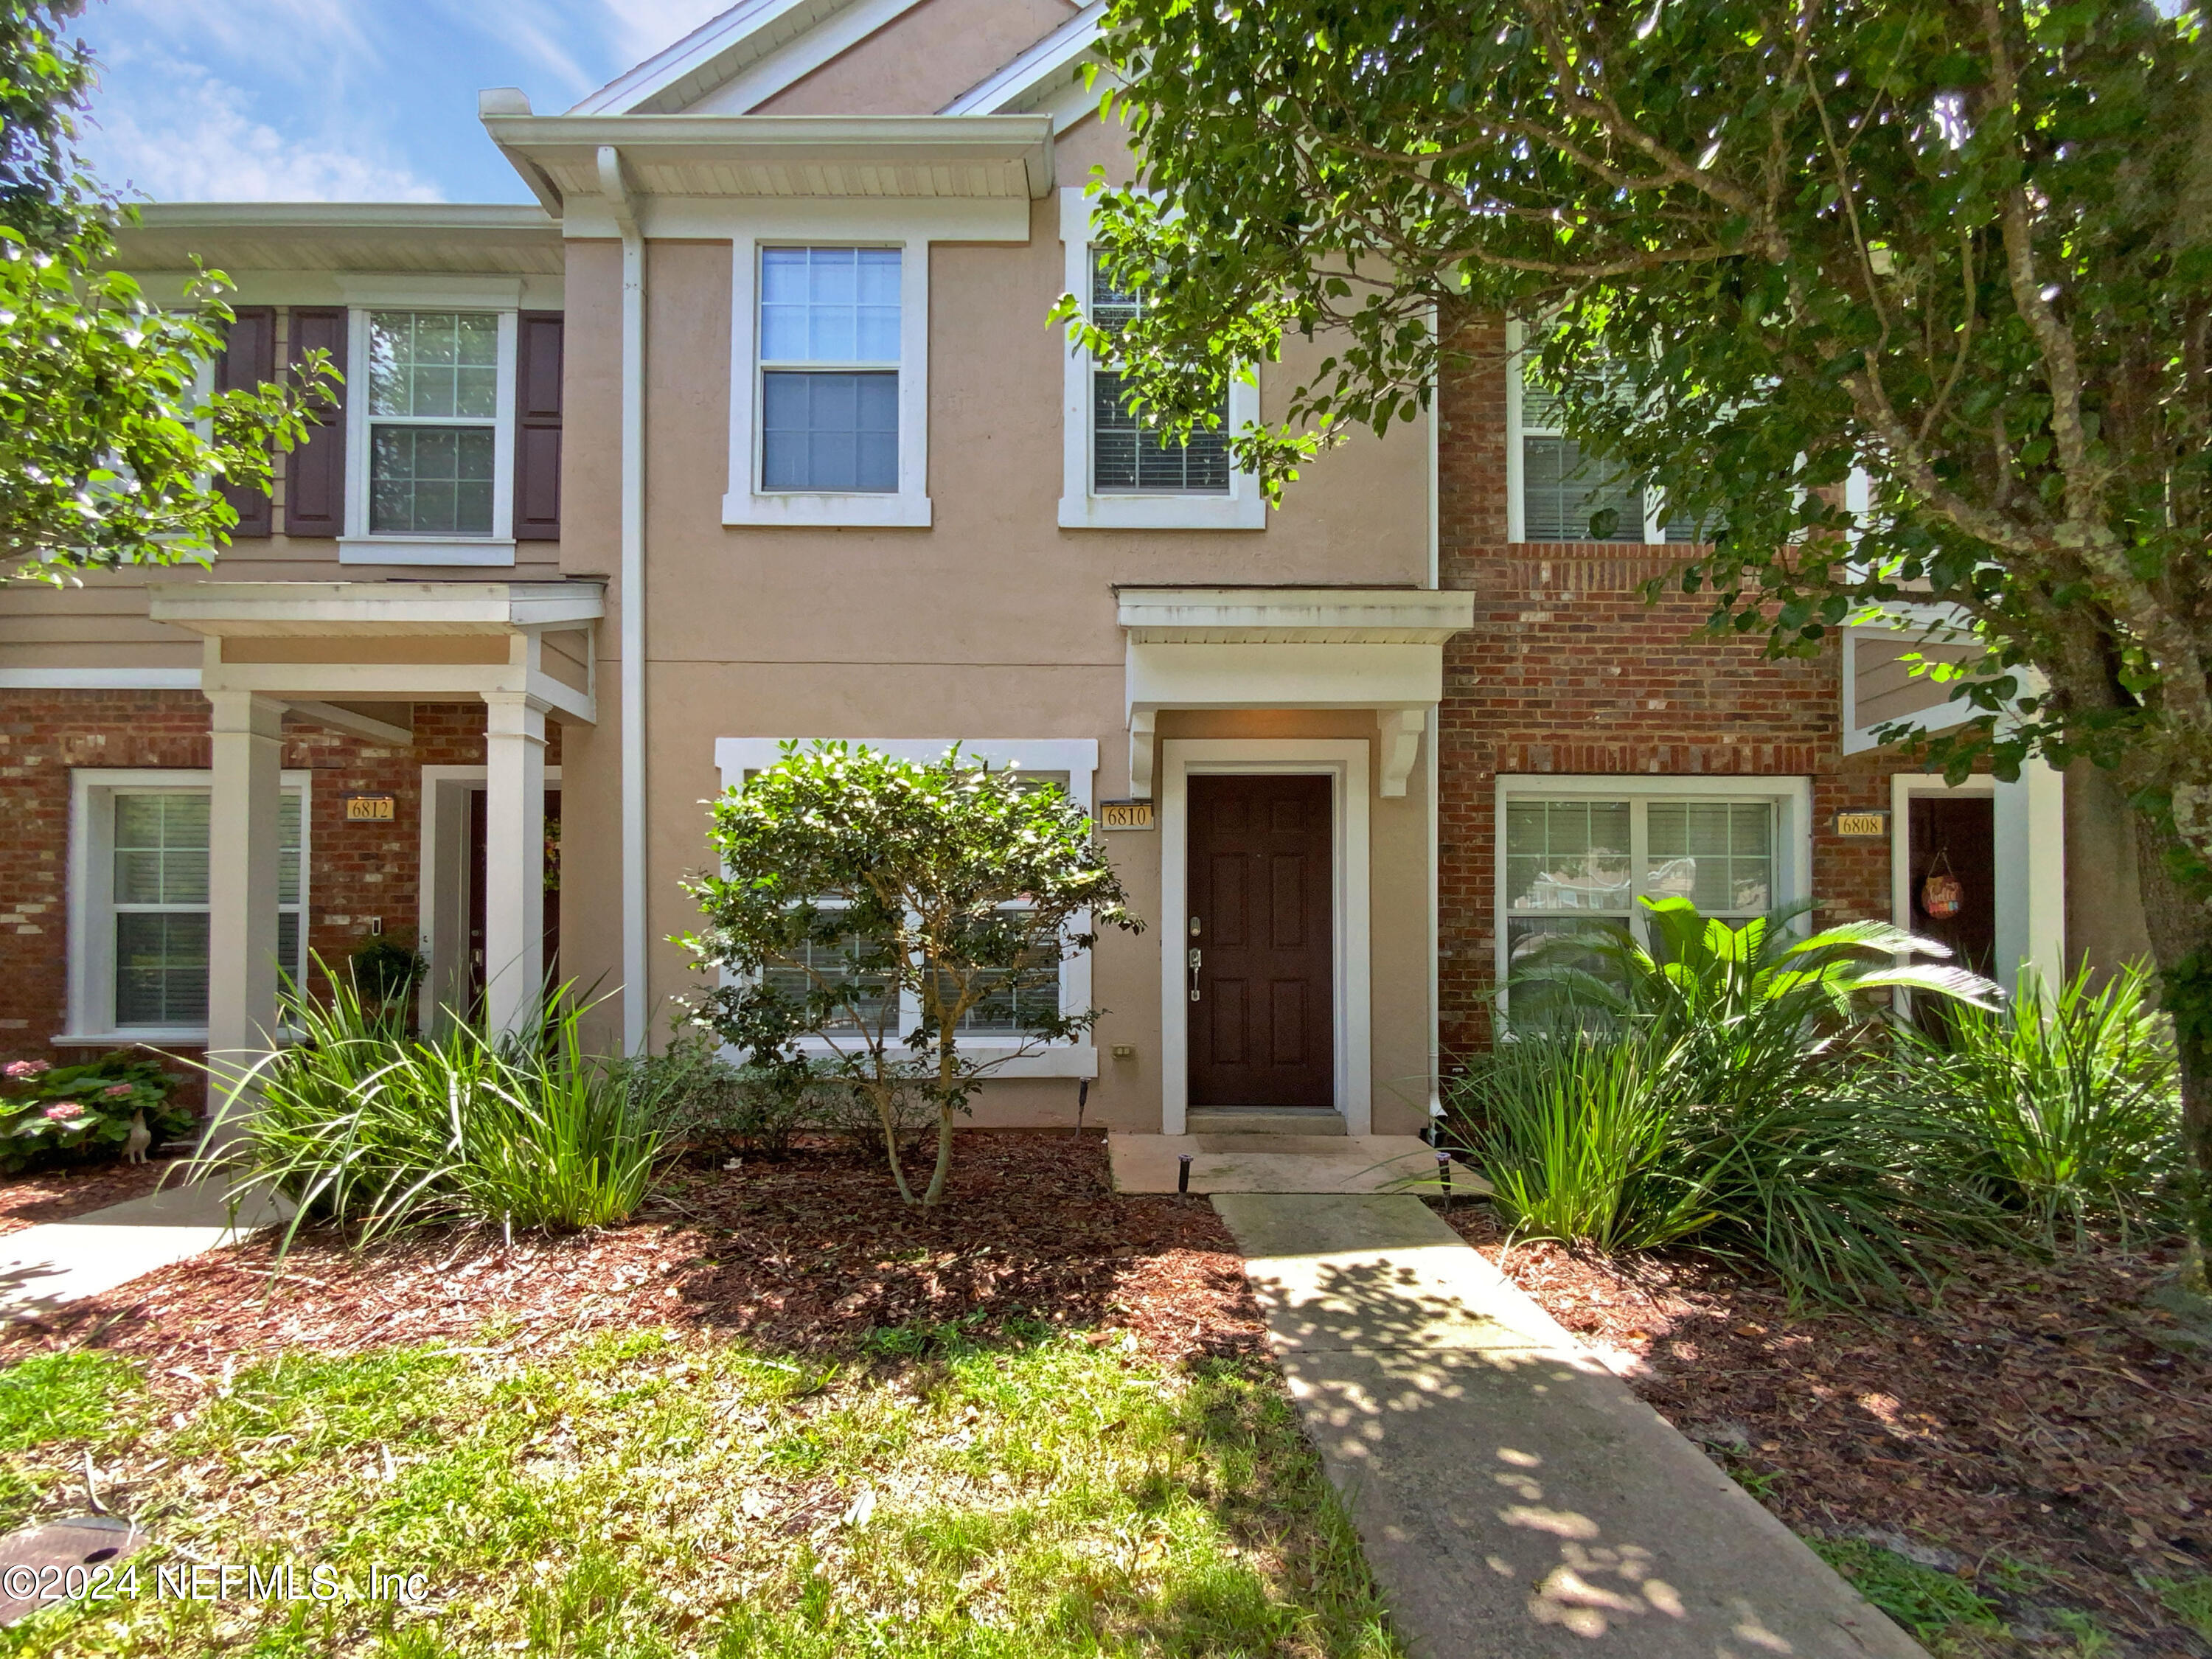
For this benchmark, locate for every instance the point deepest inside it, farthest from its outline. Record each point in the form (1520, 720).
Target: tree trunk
(944, 1156)
(888, 1118)
(2180, 926)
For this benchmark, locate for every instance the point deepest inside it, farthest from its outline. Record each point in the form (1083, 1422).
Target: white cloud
(643, 28)
(200, 145)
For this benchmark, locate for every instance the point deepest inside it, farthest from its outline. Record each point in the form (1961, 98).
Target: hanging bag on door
(1942, 896)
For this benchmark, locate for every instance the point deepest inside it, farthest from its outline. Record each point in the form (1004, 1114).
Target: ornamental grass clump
(2069, 1105)
(378, 1133)
(1694, 1091)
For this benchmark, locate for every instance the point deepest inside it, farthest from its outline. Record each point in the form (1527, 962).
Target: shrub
(380, 1134)
(64, 1114)
(1691, 1092)
(2069, 1107)
(693, 1093)
(386, 972)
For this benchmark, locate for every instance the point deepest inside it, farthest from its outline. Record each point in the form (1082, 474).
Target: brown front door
(1262, 1030)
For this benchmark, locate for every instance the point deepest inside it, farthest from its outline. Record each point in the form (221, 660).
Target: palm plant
(1759, 1006)
(1689, 1093)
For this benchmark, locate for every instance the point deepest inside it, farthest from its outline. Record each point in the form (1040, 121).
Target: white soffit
(1002, 156)
(237, 610)
(491, 239)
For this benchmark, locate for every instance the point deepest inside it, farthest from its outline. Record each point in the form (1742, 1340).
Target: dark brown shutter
(248, 360)
(315, 480)
(537, 427)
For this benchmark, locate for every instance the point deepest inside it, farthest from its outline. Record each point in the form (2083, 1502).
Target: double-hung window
(431, 413)
(139, 901)
(1119, 471)
(1561, 494)
(830, 370)
(1128, 453)
(1578, 855)
(434, 382)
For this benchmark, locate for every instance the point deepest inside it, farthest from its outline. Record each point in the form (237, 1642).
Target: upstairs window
(433, 423)
(1128, 454)
(830, 369)
(1559, 490)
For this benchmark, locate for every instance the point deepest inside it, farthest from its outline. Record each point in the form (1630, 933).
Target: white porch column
(514, 859)
(248, 772)
(2031, 861)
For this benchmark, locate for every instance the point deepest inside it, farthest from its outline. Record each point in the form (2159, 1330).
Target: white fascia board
(728, 219)
(1038, 75)
(418, 217)
(1276, 675)
(786, 65)
(690, 56)
(1383, 616)
(221, 608)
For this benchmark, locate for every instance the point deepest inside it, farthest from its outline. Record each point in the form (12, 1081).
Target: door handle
(1193, 972)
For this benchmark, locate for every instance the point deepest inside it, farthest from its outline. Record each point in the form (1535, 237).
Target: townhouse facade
(752, 430)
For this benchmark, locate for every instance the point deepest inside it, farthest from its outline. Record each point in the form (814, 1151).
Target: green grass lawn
(647, 1495)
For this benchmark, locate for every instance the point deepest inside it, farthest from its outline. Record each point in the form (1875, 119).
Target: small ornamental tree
(110, 452)
(857, 891)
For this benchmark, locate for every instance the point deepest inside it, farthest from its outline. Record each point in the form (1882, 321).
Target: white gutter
(616, 189)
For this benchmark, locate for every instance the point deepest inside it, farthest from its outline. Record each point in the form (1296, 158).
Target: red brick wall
(1567, 671)
(356, 870)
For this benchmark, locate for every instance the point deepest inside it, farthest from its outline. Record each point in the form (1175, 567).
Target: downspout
(1435, 768)
(616, 189)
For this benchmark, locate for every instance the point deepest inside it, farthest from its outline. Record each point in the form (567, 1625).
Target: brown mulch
(26, 1200)
(803, 1256)
(2036, 1412)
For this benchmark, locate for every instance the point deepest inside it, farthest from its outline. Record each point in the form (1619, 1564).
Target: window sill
(176, 1037)
(426, 550)
(1074, 1060)
(1245, 510)
(854, 511)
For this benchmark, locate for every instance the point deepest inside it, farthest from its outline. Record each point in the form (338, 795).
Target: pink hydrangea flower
(118, 1091)
(62, 1110)
(22, 1068)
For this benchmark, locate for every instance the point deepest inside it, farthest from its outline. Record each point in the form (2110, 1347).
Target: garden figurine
(140, 1137)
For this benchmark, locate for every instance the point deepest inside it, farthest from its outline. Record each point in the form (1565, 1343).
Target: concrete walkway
(46, 1267)
(1514, 1499)
(1283, 1164)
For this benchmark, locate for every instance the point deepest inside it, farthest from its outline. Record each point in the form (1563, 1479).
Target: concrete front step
(1262, 1121)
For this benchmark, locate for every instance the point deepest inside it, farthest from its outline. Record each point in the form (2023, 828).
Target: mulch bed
(26, 1200)
(2036, 1410)
(803, 1256)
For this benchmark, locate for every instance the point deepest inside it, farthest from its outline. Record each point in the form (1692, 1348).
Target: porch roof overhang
(1288, 647)
(779, 156)
(393, 641)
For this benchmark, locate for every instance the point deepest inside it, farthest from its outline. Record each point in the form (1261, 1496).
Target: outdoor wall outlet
(1125, 1051)
(374, 924)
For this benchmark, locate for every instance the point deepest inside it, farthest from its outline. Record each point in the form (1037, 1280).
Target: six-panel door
(1261, 1025)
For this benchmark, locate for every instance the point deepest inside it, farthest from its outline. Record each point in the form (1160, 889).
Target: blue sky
(344, 100)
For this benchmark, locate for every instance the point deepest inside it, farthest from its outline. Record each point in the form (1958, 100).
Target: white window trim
(1078, 758)
(358, 546)
(91, 1014)
(1791, 797)
(907, 508)
(1517, 512)
(1344, 762)
(1244, 508)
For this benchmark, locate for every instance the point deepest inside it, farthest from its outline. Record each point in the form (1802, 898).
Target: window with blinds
(1128, 454)
(1580, 861)
(830, 369)
(1563, 491)
(158, 901)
